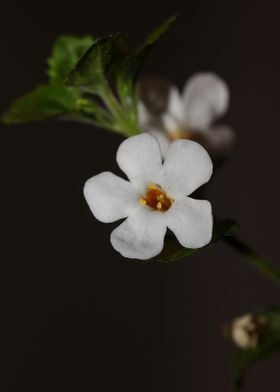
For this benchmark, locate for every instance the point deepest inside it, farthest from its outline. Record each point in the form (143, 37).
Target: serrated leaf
(173, 251)
(42, 103)
(269, 343)
(66, 52)
(90, 71)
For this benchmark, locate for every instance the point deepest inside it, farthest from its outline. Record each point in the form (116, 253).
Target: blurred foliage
(90, 80)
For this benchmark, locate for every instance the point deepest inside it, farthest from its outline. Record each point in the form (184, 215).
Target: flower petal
(191, 221)
(109, 197)
(141, 236)
(139, 157)
(218, 140)
(176, 106)
(162, 139)
(154, 92)
(144, 117)
(187, 166)
(206, 97)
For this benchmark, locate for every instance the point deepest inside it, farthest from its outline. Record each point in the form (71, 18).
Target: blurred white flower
(169, 115)
(155, 197)
(245, 330)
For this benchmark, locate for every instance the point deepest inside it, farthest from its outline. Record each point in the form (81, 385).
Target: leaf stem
(124, 123)
(260, 263)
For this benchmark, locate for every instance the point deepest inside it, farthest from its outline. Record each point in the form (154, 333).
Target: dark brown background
(80, 317)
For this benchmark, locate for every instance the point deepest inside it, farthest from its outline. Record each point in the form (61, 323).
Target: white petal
(162, 139)
(187, 166)
(144, 116)
(170, 123)
(191, 221)
(139, 157)
(219, 140)
(175, 105)
(141, 236)
(206, 97)
(109, 197)
(154, 92)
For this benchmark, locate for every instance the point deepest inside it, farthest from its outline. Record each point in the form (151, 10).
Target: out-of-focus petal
(144, 117)
(176, 107)
(218, 140)
(154, 93)
(206, 97)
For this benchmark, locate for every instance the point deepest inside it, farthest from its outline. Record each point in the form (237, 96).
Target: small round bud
(245, 330)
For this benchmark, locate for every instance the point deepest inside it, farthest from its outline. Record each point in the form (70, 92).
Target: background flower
(169, 115)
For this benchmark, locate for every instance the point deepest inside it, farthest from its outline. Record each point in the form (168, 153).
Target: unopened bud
(246, 329)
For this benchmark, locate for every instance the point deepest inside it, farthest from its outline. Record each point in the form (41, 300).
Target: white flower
(169, 115)
(154, 198)
(245, 330)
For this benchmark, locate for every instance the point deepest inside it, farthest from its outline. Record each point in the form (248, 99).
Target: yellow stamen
(161, 198)
(142, 201)
(156, 198)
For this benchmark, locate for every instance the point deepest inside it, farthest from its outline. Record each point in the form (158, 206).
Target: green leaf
(173, 251)
(66, 52)
(269, 343)
(103, 68)
(93, 67)
(108, 60)
(90, 112)
(42, 103)
(155, 35)
(131, 64)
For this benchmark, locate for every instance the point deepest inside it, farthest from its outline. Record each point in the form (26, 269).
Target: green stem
(111, 102)
(124, 123)
(261, 264)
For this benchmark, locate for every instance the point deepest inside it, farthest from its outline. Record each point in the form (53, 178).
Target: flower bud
(246, 329)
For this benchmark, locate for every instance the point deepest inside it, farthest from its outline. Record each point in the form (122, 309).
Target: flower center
(156, 198)
(180, 134)
(175, 128)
